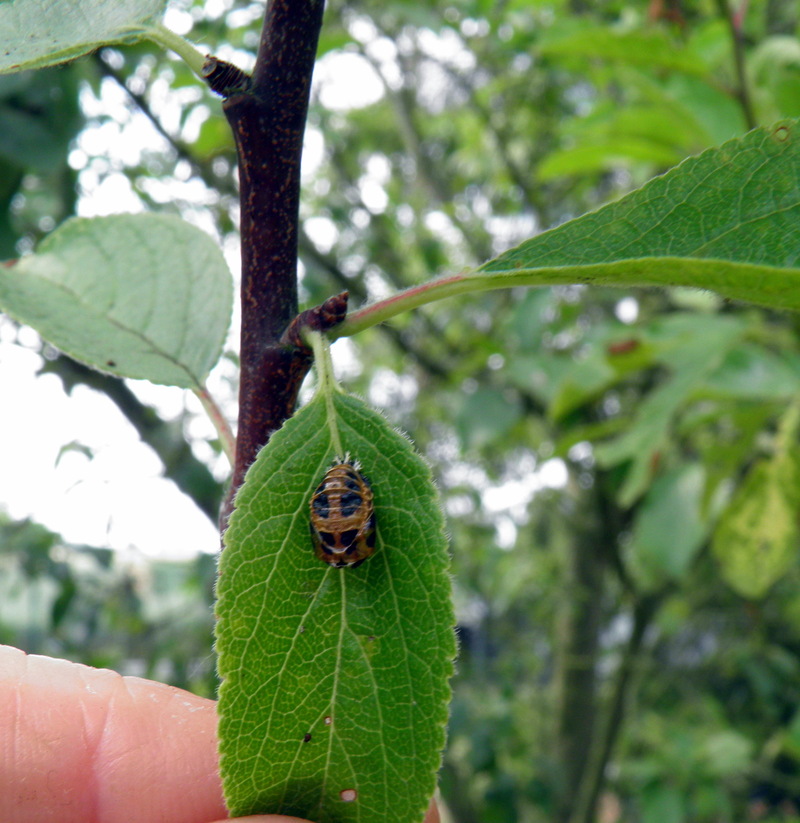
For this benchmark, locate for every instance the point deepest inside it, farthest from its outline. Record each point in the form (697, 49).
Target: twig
(737, 41)
(586, 801)
(189, 474)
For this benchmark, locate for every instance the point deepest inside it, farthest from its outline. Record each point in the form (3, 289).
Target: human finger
(83, 745)
(431, 816)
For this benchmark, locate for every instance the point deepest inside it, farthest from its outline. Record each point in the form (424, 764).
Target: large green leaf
(725, 220)
(37, 33)
(738, 203)
(137, 295)
(334, 681)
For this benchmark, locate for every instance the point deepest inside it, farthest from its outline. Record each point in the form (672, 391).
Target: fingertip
(431, 816)
(94, 745)
(263, 818)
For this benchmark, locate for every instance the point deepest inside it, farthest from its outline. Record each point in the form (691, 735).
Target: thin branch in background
(189, 474)
(734, 21)
(523, 180)
(584, 810)
(436, 183)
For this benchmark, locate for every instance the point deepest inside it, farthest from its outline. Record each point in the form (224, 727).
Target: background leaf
(655, 48)
(38, 33)
(334, 679)
(138, 295)
(757, 537)
(670, 526)
(690, 359)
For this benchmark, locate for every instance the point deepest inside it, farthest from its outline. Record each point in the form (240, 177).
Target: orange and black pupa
(343, 516)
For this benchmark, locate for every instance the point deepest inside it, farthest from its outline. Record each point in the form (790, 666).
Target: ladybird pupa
(343, 516)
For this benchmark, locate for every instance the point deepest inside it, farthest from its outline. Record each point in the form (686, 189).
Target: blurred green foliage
(590, 445)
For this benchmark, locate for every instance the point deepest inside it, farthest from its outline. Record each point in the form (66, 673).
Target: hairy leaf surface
(334, 690)
(137, 295)
(39, 33)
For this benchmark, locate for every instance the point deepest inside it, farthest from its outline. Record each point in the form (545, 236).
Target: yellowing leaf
(757, 538)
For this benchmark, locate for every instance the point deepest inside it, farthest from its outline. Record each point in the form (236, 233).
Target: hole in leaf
(781, 134)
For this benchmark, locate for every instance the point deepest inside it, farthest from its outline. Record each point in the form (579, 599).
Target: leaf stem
(226, 436)
(193, 57)
(327, 385)
(406, 300)
(450, 285)
(729, 278)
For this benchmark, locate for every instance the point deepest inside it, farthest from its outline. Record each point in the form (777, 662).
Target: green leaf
(644, 48)
(791, 736)
(752, 372)
(757, 537)
(707, 106)
(726, 754)
(709, 115)
(724, 220)
(663, 804)
(774, 68)
(334, 679)
(602, 155)
(734, 204)
(144, 296)
(39, 116)
(580, 380)
(670, 526)
(39, 33)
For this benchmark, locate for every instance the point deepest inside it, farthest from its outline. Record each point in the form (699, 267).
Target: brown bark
(268, 116)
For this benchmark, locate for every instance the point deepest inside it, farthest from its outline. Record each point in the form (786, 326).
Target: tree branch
(584, 810)
(268, 121)
(737, 44)
(189, 474)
